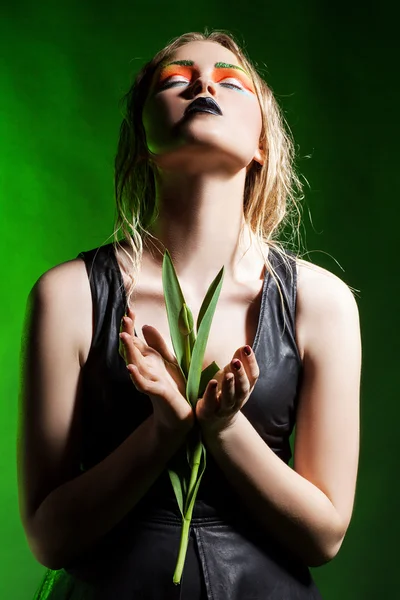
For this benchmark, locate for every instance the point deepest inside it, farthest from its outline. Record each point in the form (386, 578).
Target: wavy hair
(272, 191)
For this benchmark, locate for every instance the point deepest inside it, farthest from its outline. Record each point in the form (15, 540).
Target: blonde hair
(271, 192)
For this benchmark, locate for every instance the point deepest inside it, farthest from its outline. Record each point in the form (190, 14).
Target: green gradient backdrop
(333, 70)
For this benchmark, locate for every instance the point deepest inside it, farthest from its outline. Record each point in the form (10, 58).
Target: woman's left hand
(227, 392)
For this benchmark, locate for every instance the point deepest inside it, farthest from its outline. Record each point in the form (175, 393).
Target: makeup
(221, 71)
(203, 104)
(225, 71)
(175, 69)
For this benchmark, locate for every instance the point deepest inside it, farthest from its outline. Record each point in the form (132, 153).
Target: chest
(243, 312)
(235, 322)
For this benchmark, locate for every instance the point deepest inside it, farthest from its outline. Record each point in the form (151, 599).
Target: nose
(203, 84)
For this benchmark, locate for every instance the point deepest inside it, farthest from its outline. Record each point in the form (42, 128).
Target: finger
(155, 340)
(132, 353)
(142, 383)
(228, 398)
(121, 345)
(210, 400)
(128, 326)
(250, 364)
(133, 348)
(140, 345)
(128, 322)
(242, 384)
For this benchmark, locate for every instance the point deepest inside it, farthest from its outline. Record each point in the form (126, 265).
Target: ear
(259, 156)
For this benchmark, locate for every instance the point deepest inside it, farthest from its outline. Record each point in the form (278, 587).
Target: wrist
(175, 434)
(218, 428)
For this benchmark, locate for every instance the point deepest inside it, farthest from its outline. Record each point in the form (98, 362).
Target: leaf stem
(183, 544)
(193, 474)
(188, 511)
(187, 353)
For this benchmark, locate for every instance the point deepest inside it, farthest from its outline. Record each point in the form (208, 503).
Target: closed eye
(231, 85)
(231, 82)
(172, 81)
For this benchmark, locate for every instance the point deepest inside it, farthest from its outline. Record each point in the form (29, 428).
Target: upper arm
(326, 445)
(48, 416)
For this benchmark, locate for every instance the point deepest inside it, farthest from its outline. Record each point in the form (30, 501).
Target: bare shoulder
(316, 284)
(71, 275)
(322, 296)
(66, 285)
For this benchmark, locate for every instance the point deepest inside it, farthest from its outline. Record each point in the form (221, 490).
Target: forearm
(295, 511)
(79, 512)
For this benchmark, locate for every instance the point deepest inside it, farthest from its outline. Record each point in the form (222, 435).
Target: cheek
(158, 117)
(247, 121)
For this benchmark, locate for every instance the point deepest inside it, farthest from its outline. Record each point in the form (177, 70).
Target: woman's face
(199, 139)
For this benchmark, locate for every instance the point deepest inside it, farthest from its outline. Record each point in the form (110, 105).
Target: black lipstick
(204, 104)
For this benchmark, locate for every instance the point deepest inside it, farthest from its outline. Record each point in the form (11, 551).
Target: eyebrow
(218, 65)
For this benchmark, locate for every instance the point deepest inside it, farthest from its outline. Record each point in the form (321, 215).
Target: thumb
(155, 340)
(208, 404)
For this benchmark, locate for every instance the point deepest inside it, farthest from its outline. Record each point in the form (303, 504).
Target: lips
(204, 104)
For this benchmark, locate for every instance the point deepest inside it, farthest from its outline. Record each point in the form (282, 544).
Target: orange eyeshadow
(170, 70)
(223, 73)
(219, 74)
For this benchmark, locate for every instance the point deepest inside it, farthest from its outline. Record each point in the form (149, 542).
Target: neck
(201, 223)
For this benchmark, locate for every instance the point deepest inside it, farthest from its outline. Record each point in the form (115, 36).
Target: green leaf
(177, 485)
(195, 370)
(185, 321)
(192, 334)
(185, 325)
(182, 373)
(121, 350)
(207, 299)
(174, 302)
(121, 347)
(189, 454)
(185, 487)
(206, 375)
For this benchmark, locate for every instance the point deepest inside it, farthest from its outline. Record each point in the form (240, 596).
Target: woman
(204, 169)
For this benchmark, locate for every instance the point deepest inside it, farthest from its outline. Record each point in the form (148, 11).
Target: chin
(204, 158)
(197, 146)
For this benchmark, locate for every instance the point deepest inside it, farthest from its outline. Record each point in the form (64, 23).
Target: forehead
(204, 53)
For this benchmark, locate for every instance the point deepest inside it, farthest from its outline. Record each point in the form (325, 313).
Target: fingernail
(236, 364)
(247, 350)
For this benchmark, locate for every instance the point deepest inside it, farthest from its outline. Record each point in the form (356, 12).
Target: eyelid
(171, 70)
(231, 77)
(218, 75)
(240, 76)
(168, 81)
(175, 75)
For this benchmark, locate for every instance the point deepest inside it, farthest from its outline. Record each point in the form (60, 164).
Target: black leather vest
(233, 559)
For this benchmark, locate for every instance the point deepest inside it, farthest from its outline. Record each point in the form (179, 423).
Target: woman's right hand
(155, 371)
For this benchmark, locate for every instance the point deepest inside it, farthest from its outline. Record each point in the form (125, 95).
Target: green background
(334, 70)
